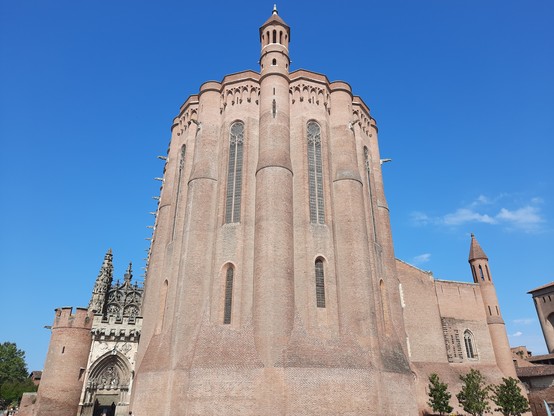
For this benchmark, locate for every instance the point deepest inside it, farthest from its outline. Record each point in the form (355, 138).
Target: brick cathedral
(272, 287)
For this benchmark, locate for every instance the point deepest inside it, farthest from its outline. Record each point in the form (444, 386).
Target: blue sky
(463, 94)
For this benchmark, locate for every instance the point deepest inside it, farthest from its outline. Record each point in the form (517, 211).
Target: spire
(129, 273)
(102, 284)
(275, 19)
(475, 250)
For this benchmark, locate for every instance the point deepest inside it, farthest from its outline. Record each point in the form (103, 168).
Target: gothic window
(319, 284)
(469, 344)
(131, 310)
(114, 310)
(315, 174)
(369, 194)
(228, 296)
(234, 173)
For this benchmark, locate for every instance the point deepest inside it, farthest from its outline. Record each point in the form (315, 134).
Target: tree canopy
(507, 396)
(14, 379)
(12, 363)
(474, 396)
(439, 397)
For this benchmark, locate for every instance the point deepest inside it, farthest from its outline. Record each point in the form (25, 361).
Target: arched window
(274, 36)
(469, 344)
(481, 273)
(369, 192)
(319, 283)
(178, 190)
(228, 296)
(234, 173)
(315, 174)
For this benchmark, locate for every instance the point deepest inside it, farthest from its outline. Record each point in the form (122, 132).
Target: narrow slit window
(315, 174)
(234, 173)
(319, 284)
(481, 273)
(178, 191)
(228, 296)
(369, 192)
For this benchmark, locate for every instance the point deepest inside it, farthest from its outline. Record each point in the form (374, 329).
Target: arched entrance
(107, 388)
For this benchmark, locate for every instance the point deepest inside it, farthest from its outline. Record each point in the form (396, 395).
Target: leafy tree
(439, 397)
(11, 391)
(474, 396)
(507, 396)
(13, 373)
(12, 363)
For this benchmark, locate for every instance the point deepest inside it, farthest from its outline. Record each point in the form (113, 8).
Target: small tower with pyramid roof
(479, 263)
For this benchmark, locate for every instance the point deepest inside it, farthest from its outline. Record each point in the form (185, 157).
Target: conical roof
(275, 19)
(475, 250)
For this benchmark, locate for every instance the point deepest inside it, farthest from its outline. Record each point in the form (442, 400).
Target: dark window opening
(228, 296)
(319, 284)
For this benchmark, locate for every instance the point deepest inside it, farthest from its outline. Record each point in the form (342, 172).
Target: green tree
(474, 396)
(13, 373)
(439, 397)
(11, 391)
(507, 396)
(12, 363)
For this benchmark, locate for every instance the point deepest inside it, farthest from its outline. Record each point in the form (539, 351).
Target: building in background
(90, 363)
(272, 285)
(537, 371)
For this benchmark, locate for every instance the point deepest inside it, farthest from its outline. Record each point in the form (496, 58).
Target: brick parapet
(65, 318)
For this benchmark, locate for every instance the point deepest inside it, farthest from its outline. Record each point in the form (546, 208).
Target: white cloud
(422, 258)
(486, 210)
(526, 218)
(481, 200)
(463, 215)
(419, 218)
(523, 321)
(517, 334)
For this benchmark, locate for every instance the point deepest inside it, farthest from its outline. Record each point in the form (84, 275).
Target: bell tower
(273, 307)
(479, 263)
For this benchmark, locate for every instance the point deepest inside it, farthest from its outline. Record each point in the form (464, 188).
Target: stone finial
(129, 273)
(275, 9)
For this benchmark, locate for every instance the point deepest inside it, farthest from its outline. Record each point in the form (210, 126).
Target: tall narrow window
(469, 343)
(178, 191)
(234, 173)
(228, 296)
(319, 284)
(481, 273)
(315, 174)
(369, 192)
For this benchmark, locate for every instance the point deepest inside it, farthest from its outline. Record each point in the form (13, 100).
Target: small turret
(66, 361)
(479, 263)
(274, 39)
(102, 285)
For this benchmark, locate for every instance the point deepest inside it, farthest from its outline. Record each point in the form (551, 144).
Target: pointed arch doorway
(108, 386)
